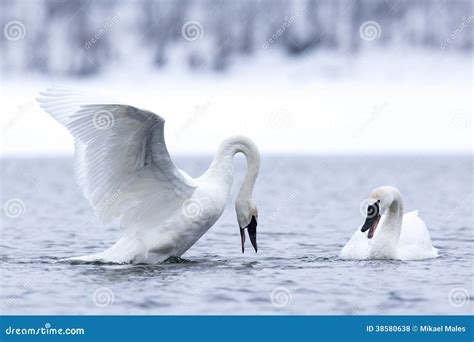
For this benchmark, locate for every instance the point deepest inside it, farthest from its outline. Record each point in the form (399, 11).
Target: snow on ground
(377, 102)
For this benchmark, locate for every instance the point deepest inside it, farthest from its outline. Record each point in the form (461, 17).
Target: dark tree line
(83, 37)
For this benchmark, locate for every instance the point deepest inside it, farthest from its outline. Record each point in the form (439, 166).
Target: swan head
(247, 215)
(378, 202)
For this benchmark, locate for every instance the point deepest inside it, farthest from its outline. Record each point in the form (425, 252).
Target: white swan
(123, 168)
(393, 236)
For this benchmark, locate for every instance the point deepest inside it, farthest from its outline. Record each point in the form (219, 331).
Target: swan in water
(392, 236)
(124, 169)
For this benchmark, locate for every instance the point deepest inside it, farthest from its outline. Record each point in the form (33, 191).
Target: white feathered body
(125, 171)
(413, 243)
(150, 238)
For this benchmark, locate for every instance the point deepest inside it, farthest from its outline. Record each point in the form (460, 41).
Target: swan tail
(415, 241)
(413, 213)
(86, 258)
(126, 250)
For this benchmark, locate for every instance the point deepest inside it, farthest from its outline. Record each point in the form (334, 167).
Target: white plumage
(124, 169)
(397, 236)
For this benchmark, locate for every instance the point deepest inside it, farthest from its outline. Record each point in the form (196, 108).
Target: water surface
(308, 208)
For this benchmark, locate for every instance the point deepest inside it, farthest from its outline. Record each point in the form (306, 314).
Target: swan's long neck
(387, 240)
(222, 165)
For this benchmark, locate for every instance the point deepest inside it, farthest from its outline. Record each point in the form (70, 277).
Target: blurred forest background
(84, 37)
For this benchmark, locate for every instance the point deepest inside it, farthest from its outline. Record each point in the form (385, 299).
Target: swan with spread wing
(125, 171)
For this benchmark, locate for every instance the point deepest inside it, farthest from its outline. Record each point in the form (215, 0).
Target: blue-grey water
(308, 209)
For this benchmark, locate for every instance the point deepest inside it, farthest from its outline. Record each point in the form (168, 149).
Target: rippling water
(308, 208)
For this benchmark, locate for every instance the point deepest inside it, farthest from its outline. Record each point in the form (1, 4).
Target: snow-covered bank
(384, 102)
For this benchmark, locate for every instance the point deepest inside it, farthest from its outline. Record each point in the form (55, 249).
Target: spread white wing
(121, 160)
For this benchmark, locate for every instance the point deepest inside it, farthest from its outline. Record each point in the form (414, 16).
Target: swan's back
(415, 241)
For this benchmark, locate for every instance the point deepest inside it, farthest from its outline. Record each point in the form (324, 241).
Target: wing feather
(121, 159)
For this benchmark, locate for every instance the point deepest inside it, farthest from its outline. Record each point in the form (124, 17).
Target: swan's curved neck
(385, 243)
(392, 225)
(222, 164)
